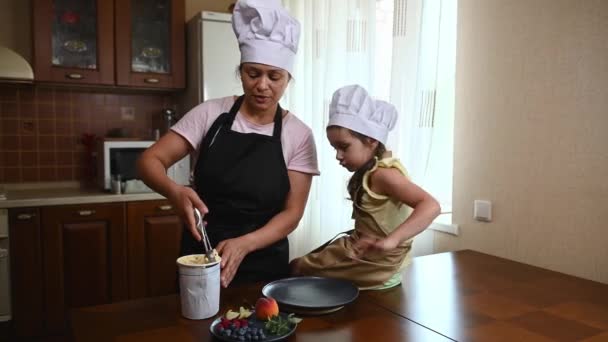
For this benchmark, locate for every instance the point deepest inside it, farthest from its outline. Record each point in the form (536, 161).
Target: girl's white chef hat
(266, 32)
(351, 107)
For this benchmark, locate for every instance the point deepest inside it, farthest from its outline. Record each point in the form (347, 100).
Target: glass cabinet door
(74, 34)
(150, 44)
(73, 41)
(150, 36)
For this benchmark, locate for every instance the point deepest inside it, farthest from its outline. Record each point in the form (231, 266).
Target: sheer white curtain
(422, 89)
(354, 41)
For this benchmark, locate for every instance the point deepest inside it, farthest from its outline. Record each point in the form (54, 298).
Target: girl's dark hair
(356, 181)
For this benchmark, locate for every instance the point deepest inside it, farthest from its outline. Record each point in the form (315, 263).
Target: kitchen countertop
(39, 195)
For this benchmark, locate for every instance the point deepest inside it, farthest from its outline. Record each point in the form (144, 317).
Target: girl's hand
(367, 244)
(185, 199)
(232, 252)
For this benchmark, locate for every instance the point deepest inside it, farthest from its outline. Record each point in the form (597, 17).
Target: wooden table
(463, 296)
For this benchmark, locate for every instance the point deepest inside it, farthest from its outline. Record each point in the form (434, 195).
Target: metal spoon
(200, 226)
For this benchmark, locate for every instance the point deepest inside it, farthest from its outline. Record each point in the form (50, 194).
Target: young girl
(388, 209)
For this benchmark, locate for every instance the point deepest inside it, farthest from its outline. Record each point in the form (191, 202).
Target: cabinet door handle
(86, 212)
(25, 217)
(151, 80)
(74, 76)
(165, 207)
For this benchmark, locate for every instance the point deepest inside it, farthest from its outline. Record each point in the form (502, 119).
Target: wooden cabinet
(84, 258)
(154, 236)
(133, 43)
(150, 48)
(71, 256)
(27, 288)
(73, 41)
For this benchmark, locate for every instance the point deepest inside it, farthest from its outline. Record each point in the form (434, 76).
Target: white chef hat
(351, 107)
(266, 33)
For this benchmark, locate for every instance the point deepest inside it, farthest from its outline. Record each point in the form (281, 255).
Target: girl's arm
(234, 250)
(392, 183)
(152, 169)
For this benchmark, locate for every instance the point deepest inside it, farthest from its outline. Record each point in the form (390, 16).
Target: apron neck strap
(278, 116)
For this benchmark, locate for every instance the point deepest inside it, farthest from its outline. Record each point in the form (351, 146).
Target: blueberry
(247, 336)
(228, 332)
(241, 338)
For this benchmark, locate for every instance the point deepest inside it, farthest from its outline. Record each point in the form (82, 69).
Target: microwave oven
(119, 157)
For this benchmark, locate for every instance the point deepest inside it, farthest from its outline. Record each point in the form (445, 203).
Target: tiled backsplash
(41, 127)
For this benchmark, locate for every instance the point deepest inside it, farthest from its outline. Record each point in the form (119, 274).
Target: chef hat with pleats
(351, 107)
(266, 32)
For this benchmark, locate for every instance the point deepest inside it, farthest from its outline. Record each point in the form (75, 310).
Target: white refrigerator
(212, 60)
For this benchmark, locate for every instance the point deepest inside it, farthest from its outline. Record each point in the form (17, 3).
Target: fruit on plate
(265, 308)
(230, 315)
(244, 313)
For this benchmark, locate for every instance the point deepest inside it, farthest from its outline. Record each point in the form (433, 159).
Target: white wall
(531, 132)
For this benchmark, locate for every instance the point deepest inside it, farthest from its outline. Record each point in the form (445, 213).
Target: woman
(255, 160)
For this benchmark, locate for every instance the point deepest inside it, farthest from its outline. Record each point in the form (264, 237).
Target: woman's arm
(152, 169)
(392, 183)
(234, 250)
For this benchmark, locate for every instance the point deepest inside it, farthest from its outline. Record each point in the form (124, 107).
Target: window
(401, 51)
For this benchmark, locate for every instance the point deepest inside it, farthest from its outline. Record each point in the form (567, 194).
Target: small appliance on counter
(134, 186)
(117, 160)
(169, 117)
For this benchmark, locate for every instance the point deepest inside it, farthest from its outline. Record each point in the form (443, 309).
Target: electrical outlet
(127, 113)
(482, 210)
(28, 126)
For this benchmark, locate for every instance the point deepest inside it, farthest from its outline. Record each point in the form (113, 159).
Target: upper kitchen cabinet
(150, 43)
(74, 41)
(133, 43)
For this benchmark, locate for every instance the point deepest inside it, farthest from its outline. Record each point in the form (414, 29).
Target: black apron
(242, 178)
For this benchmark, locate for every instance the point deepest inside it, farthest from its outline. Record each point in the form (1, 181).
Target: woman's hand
(185, 199)
(232, 252)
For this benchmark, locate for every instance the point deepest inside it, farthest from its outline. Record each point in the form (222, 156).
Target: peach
(266, 308)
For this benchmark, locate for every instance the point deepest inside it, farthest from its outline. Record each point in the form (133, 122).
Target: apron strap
(228, 118)
(219, 123)
(348, 233)
(344, 233)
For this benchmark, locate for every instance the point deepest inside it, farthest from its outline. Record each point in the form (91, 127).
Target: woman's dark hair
(239, 68)
(356, 180)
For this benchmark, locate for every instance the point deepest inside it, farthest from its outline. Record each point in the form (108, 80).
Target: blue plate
(253, 322)
(311, 293)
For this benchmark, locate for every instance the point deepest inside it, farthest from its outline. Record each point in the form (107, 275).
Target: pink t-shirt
(297, 140)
